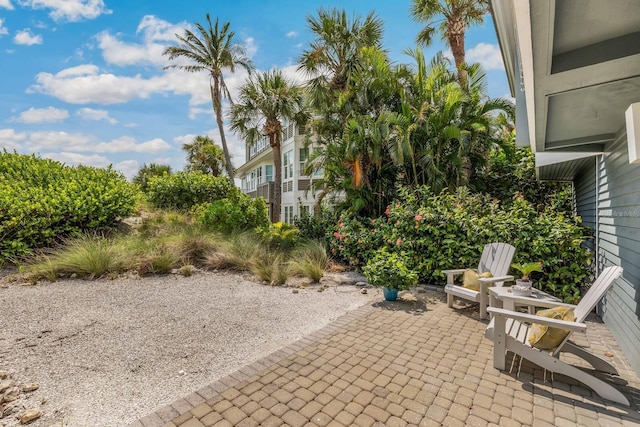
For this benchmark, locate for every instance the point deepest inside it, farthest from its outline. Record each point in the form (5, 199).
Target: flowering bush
(450, 231)
(390, 270)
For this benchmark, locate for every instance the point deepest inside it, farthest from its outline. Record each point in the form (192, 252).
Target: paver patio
(413, 362)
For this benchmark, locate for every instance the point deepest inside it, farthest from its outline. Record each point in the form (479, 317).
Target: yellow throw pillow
(546, 338)
(471, 279)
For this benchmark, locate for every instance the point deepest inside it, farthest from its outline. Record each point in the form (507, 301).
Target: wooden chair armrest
(536, 302)
(532, 318)
(496, 279)
(455, 271)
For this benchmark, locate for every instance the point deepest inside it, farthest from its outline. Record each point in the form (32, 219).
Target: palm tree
(450, 18)
(212, 50)
(264, 101)
(333, 55)
(203, 155)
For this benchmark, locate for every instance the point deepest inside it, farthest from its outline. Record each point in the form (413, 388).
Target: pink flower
(398, 222)
(388, 210)
(373, 221)
(418, 217)
(399, 242)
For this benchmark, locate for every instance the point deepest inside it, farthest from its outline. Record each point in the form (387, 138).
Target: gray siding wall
(619, 244)
(585, 198)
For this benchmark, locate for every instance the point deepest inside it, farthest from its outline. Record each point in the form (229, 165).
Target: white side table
(503, 297)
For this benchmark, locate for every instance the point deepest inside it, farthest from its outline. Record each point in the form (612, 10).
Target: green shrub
(313, 227)
(184, 190)
(237, 213)
(42, 201)
(147, 171)
(390, 270)
(450, 231)
(281, 236)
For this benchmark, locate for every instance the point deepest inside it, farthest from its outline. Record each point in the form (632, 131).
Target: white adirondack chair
(509, 331)
(496, 258)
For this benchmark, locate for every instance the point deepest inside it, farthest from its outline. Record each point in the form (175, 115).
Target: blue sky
(83, 80)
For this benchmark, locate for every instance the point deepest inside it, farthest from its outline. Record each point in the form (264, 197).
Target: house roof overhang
(574, 68)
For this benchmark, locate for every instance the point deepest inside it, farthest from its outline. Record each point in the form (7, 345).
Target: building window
(259, 175)
(288, 214)
(268, 172)
(304, 156)
(288, 164)
(252, 180)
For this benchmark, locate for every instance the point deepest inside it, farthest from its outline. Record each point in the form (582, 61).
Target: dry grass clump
(310, 260)
(271, 267)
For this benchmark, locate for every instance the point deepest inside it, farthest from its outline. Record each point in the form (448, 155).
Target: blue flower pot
(390, 294)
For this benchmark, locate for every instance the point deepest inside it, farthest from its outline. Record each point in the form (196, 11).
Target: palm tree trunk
(216, 98)
(455, 36)
(274, 142)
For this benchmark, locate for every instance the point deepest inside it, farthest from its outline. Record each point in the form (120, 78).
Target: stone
(4, 374)
(6, 384)
(28, 388)
(361, 284)
(295, 291)
(364, 291)
(30, 415)
(11, 394)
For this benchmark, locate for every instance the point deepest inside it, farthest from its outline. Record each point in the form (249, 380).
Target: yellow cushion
(546, 338)
(471, 279)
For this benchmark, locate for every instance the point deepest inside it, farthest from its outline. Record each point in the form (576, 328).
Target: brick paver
(409, 362)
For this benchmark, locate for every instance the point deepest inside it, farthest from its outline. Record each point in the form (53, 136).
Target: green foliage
(450, 231)
(390, 270)
(281, 236)
(315, 227)
(310, 260)
(527, 268)
(204, 155)
(237, 213)
(147, 171)
(184, 190)
(511, 173)
(42, 201)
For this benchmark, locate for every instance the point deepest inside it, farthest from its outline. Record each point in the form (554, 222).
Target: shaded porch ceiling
(586, 71)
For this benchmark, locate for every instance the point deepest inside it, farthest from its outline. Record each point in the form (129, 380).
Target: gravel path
(106, 353)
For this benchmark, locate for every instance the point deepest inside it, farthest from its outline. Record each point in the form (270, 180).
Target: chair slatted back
(596, 292)
(496, 258)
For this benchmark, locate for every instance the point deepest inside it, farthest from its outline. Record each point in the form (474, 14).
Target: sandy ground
(108, 352)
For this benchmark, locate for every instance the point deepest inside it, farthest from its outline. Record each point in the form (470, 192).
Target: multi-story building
(258, 173)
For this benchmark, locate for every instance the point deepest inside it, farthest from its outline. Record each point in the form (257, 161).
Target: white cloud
(292, 34)
(128, 167)
(42, 115)
(3, 30)
(11, 140)
(250, 46)
(156, 35)
(69, 10)
(488, 55)
(41, 140)
(26, 37)
(84, 84)
(119, 53)
(74, 159)
(127, 144)
(92, 114)
(49, 140)
(6, 4)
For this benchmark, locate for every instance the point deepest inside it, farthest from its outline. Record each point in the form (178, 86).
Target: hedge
(184, 190)
(450, 230)
(43, 200)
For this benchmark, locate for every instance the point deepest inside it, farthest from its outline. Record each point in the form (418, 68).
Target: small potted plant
(526, 269)
(390, 271)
